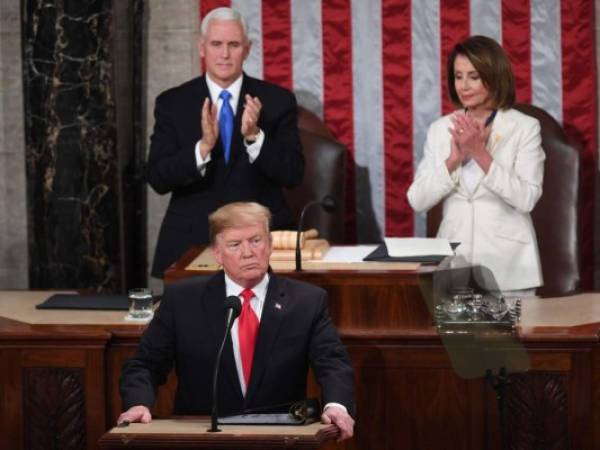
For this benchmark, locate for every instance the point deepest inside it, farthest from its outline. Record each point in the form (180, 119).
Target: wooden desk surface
(564, 319)
(20, 306)
(563, 312)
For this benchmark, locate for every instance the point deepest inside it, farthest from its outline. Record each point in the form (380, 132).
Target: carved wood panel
(536, 412)
(54, 408)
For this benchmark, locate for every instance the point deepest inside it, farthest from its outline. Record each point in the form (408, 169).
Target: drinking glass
(455, 304)
(496, 307)
(474, 307)
(140, 304)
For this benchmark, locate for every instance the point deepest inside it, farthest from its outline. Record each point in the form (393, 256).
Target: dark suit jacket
(295, 331)
(172, 164)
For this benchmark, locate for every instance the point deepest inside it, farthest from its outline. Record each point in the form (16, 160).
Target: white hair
(224, 13)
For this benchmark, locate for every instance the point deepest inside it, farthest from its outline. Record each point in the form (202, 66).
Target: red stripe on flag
(207, 5)
(277, 42)
(338, 92)
(454, 27)
(579, 99)
(516, 40)
(397, 107)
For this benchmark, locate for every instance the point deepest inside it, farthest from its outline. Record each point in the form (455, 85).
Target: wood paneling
(54, 408)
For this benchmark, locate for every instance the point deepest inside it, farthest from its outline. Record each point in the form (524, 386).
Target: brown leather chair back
(556, 215)
(324, 174)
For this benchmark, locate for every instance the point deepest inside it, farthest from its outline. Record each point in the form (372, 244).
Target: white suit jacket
(492, 224)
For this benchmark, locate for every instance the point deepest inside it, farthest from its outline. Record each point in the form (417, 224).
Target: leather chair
(556, 215)
(324, 174)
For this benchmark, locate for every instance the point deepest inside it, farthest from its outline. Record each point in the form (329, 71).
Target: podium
(191, 433)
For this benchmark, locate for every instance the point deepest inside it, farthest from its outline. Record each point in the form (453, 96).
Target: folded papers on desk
(422, 250)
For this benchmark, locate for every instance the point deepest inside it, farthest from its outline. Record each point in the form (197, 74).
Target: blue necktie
(226, 124)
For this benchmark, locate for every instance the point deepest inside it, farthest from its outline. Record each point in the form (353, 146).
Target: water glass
(496, 307)
(140, 303)
(456, 302)
(474, 307)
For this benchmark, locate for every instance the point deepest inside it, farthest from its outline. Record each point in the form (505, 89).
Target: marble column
(74, 167)
(172, 58)
(13, 205)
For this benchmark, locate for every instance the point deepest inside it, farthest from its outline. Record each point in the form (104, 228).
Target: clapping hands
(210, 122)
(469, 139)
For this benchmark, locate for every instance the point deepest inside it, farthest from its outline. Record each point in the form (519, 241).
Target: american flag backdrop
(374, 70)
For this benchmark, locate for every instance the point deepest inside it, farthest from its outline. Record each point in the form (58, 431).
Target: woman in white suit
(486, 163)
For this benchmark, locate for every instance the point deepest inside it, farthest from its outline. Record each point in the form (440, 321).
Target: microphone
(329, 204)
(233, 306)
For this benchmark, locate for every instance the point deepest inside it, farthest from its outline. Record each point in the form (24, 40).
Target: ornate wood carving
(54, 408)
(536, 412)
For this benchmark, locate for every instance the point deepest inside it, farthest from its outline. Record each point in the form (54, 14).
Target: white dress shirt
(257, 303)
(253, 149)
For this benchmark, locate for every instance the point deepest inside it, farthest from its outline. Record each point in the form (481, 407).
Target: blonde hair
(236, 215)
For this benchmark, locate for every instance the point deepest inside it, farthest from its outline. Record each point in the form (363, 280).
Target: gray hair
(224, 13)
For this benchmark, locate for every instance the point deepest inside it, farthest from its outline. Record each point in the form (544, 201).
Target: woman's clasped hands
(469, 139)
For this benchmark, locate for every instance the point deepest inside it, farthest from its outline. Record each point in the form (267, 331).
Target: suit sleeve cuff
(201, 162)
(253, 148)
(335, 405)
(448, 178)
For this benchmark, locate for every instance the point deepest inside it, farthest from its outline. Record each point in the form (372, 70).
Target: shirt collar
(260, 289)
(234, 89)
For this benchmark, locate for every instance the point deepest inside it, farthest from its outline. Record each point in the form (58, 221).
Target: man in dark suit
(220, 138)
(283, 328)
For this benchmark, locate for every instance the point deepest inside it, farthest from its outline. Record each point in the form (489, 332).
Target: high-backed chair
(324, 174)
(556, 215)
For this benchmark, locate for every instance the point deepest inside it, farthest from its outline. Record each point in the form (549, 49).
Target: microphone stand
(328, 203)
(234, 307)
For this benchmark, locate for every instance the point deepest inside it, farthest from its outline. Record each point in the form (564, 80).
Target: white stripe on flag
(369, 148)
(486, 18)
(252, 11)
(546, 62)
(426, 80)
(307, 54)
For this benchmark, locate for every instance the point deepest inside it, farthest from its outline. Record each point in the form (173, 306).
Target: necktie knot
(225, 95)
(247, 295)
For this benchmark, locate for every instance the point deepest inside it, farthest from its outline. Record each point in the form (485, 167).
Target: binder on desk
(381, 254)
(301, 412)
(88, 301)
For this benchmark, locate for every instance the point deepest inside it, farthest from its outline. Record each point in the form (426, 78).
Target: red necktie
(247, 331)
